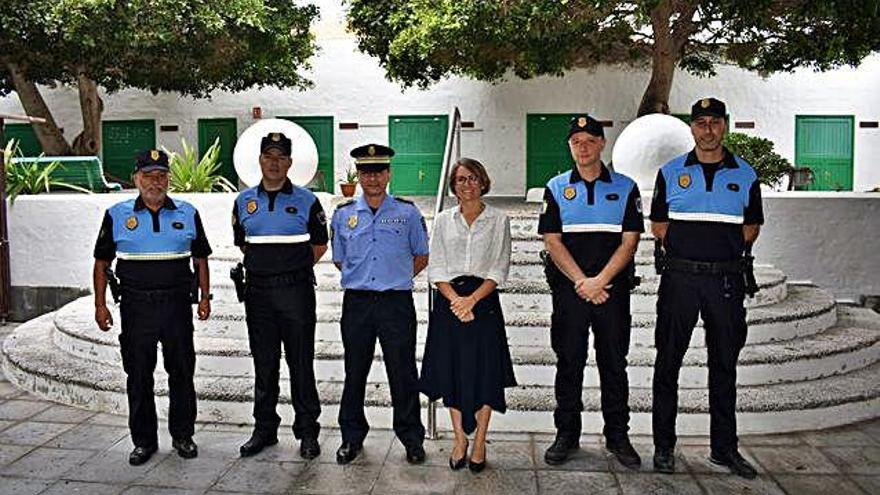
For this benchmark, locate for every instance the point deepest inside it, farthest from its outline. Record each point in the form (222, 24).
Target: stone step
(831, 401)
(854, 342)
(806, 311)
(521, 291)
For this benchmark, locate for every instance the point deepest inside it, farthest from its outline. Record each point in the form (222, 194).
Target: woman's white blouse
(481, 250)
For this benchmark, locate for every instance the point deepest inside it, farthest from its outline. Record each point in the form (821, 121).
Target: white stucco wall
(829, 238)
(351, 87)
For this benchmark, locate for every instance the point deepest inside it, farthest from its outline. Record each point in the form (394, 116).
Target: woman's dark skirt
(467, 364)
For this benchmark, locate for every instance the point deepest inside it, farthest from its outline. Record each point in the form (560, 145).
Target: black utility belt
(374, 293)
(705, 267)
(280, 279)
(155, 293)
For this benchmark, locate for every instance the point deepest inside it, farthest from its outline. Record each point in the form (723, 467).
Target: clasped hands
(593, 290)
(463, 307)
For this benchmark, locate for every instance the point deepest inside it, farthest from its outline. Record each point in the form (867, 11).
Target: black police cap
(278, 141)
(372, 157)
(585, 123)
(149, 160)
(708, 107)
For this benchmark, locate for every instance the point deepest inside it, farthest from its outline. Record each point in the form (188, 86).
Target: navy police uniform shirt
(278, 229)
(591, 216)
(375, 250)
(706, 205)
(153, 247)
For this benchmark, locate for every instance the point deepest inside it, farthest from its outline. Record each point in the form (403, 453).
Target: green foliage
(30, 177)
(421, 41)
(190, 174)
(192, 47)
(770, 166)
(351, 176)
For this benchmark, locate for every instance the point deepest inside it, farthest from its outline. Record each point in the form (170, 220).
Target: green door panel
(825, 144)
(418, 143)
(28, 144)
(227, 131)
(321, 131)
(547, 153)
(122, 141)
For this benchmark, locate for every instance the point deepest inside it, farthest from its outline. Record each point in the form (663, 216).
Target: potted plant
(349, 183)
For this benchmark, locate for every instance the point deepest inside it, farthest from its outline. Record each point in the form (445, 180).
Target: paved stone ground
(49, 448)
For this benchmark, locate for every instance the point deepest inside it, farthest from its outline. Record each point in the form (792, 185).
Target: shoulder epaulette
(403, 200)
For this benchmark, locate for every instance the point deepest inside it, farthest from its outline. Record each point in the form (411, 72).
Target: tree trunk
(663, 60)
(49, 134)
(88, 142)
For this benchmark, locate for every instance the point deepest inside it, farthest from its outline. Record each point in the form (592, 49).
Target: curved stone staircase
(808, 362)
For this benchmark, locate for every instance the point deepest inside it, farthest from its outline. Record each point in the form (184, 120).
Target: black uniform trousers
(569, 336)
(389, 316)
(283, 312)
(719, 299)
(150, 317)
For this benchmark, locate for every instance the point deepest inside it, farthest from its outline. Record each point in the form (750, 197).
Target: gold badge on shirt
(569, 193)
(131, 223)
(352, 221)
(684, 180)
(251, 206)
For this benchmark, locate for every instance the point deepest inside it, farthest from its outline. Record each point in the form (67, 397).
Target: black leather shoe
(560, 450)
(347, 452)
(664, 461)
(141, 455)
(456, 464)
(624, 452)
(415, 453)
(736, 463)
(256, 444)
(185, 447)
(309, 448)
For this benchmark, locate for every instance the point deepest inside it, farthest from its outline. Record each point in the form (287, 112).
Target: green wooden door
(321, 131)
(28, 144)
(547, 153)
(825, 144)
(227, 131)
(418, 143)
(123, 140)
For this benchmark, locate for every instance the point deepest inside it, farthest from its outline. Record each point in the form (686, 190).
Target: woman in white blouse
(467, 361)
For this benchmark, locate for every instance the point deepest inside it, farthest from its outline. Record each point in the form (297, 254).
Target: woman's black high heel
(477, 467)
(455, 465)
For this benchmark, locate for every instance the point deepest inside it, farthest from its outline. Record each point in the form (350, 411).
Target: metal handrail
(451, 153)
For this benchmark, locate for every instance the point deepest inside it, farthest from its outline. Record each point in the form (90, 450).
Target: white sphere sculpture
(247, 152)
(646, 144)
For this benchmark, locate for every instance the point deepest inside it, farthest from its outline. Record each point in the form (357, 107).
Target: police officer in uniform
(282, 230)
(153, 238)
(379, 243)
(591, 223)
(707, 212)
